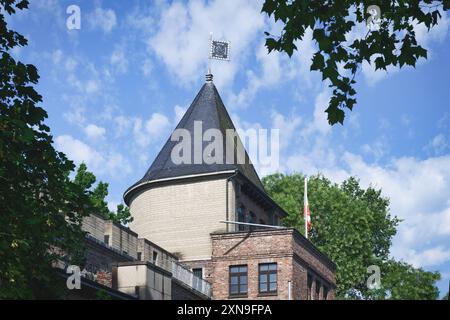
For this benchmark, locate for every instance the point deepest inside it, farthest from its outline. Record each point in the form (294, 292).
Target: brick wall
(294, 255)
(104, 278)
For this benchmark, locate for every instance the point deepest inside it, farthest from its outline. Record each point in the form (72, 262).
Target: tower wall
(180, 217)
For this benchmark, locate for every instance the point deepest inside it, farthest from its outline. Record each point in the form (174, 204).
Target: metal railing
(188, 278)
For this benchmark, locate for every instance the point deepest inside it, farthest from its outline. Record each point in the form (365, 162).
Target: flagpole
(305, 208)
(209, 56)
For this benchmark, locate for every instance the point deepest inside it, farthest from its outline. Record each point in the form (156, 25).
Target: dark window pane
(273, 266)
(243, 280)
(273, 277)
(234, 269)
(234, 280)
(233, 289)
(263, 287)
(273, 286)
(198, 272)
(243, 269)
(262, 278)
(263, 267)
(325, 293)
(243, 288)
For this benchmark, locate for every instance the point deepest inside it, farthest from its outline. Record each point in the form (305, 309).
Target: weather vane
(219, 50)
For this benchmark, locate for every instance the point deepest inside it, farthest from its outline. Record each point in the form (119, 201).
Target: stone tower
(178, 206)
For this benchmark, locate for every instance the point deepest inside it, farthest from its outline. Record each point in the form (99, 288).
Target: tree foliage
(401, 281)
(339, 54)
(42, 208)
(97, 196)
(354, 227)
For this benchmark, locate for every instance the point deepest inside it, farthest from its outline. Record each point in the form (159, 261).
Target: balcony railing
(188, 278)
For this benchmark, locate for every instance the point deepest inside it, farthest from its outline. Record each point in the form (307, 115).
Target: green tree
(334, 24)
(353, 226)
(42, 209)
(401, 281)
(85, 180)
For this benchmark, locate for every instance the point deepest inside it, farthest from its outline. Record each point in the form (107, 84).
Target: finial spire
(209, 77)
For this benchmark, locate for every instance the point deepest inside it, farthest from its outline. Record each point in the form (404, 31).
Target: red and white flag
(306, 212)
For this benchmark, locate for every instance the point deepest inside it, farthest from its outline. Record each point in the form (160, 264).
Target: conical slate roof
(208, 108)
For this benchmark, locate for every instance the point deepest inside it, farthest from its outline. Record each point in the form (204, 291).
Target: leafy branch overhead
(340, 54)
(41, 207)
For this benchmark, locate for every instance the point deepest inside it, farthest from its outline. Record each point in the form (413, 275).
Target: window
(238, 280)
(139, 256)
(241, 217)
(268, 278)
(136, 291)
(318, 290)
(309, 293)
(325, 293)
(155, 257)
(252, 217)
(106, 239)
(198, 272)
(275, 220)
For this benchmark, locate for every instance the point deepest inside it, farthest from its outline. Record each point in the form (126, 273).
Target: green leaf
(318, 62)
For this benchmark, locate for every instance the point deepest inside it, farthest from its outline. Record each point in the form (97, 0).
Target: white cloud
(78, 151)
(122, 125)
(438, 144)
(151, 130)
(91, 86)
(119, 61)
(101, 162)
(94, 132)
(70, 64)
(179, 113)
(373, 76)
(183, 46)
(76, 115)
(270, 75)
(277, 67)
(288, 127)
(437, 34)
(147, 67)
(377, 149)
(429, 257)
(104, 19)
(418, 189)
(57, 56)
(157, 124)
(319, 124)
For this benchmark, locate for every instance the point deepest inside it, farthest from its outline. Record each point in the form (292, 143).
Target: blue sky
(116, 88)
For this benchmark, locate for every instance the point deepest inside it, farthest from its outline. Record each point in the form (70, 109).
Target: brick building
(182, 207)
(123, 266)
